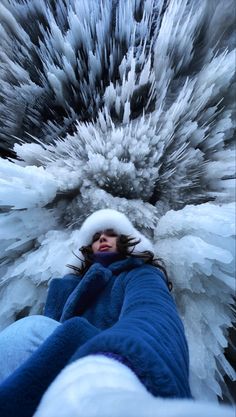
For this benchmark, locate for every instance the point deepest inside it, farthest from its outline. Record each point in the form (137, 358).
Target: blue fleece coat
(125, 308)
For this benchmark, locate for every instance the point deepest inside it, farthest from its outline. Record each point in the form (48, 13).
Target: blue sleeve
(149, 334)
(58, 293)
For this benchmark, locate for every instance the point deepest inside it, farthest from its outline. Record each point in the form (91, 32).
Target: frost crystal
(127, 105)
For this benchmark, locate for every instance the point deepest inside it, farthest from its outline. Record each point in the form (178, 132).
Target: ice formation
(127, 105)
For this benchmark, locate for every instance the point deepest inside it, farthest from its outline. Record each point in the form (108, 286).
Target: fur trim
(88, 376)
(96, 386)
(101, 220)
(111, 219)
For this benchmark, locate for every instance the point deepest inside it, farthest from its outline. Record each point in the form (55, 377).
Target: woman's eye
(107, 232)
(110, 232)
(96, 236)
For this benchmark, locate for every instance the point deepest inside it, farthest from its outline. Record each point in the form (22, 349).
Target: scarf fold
(107, 258)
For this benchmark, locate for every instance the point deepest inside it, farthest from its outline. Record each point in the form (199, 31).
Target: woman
(117, 317)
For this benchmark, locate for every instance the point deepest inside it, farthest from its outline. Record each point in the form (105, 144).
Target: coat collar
(125, 265)
(92, 283)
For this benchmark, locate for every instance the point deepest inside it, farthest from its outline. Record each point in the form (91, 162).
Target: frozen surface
(126, 105)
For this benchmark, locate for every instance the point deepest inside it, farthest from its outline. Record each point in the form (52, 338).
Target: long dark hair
(125, 247)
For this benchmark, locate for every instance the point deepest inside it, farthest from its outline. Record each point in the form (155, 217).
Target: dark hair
(125, 246)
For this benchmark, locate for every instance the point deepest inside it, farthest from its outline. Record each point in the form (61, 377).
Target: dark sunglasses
(107, 232)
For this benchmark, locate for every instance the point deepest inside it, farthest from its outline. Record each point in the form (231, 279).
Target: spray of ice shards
(127, 105)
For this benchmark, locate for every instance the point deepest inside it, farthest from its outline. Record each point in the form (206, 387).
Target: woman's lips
(103, 247)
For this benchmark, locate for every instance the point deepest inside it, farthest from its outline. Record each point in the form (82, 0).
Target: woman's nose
(102, 237)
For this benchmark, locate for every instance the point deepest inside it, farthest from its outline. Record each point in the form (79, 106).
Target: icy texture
(126, 105)
(198, 247)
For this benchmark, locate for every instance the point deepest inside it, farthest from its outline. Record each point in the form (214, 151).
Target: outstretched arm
(149, 335)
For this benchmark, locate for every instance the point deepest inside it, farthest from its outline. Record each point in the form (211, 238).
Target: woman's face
(105, 241)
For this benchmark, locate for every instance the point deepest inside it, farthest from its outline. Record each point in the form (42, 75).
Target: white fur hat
(98, 221)
(111, 219)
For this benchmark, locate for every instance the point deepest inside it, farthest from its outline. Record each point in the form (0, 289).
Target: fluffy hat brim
(111, 219)
(98, 221)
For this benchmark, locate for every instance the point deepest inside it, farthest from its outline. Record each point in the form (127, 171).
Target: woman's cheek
(95, 247)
